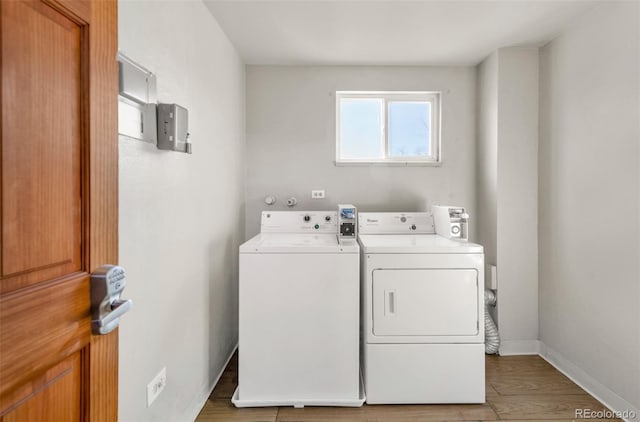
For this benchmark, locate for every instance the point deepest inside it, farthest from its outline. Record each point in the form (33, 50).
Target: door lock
(107, 283)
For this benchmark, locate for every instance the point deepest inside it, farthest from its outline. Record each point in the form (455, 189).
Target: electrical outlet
(155, 387)
(317, 194)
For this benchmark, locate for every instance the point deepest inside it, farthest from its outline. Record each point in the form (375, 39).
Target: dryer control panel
(396, 223)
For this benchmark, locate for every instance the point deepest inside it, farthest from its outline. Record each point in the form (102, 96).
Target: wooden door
(59, 207)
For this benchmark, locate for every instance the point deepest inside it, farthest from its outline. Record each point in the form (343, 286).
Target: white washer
(299, 314)
(422, 312)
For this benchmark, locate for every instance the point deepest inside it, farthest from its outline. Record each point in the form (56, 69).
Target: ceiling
(367, 32)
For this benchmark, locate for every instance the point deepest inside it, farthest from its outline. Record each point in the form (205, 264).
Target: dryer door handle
(390, 302)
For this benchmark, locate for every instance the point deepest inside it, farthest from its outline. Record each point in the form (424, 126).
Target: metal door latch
(107, 283)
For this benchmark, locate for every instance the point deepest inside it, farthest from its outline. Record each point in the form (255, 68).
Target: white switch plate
(317, 194)
(155, 387)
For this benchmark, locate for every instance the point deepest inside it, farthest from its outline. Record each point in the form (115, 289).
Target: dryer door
(425, 302)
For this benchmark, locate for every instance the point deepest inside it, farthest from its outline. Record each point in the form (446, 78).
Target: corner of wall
(601, 392)
(200, 399)
(519, 347)
(596, 60)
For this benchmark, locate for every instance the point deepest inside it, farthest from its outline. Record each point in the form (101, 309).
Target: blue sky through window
(360, 128)
(409, 127)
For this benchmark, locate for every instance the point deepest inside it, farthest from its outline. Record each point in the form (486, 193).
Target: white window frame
(432, 97)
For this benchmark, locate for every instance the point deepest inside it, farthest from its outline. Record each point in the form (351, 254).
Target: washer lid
(298, 243)
(414, 243)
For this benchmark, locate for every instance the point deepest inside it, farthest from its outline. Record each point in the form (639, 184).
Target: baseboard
(519, 347)
(590, 385)
(200, 399)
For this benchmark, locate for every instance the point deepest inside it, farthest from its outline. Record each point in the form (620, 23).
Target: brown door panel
(41, 327)
(54, 396)
(58, 195)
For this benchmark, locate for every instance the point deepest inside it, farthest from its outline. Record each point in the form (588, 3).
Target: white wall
(517, 208)
(487, 163)
(507, 189)
(181, 216)
(487, 159)
(589, 198)
(291, 140)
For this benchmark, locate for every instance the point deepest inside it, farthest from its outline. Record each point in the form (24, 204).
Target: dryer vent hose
(491, 335)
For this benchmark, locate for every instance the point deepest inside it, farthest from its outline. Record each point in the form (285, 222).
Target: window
(387, 127)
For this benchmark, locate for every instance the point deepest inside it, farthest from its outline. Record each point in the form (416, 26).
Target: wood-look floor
(518, 388)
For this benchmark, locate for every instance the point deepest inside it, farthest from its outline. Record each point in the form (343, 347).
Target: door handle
(112, 319)
(107, 284)
(390, 302)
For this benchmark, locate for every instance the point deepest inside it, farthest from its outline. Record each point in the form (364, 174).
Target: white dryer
(299, 314)
(422, 312)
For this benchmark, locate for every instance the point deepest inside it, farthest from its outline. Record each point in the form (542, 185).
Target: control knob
(307, 218)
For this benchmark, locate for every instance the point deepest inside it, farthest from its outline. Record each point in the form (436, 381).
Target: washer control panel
(299, 222)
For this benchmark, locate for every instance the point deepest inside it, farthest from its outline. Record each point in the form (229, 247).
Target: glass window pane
(361, 128)
(409, 129)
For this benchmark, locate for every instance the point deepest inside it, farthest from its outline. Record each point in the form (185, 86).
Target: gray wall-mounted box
(173, 128)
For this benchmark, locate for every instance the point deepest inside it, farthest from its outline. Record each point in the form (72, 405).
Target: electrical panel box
(173, 128)
(141, 117)
(137, 101)
(135, 82)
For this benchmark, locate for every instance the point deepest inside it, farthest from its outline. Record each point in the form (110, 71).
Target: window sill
(387, 163)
